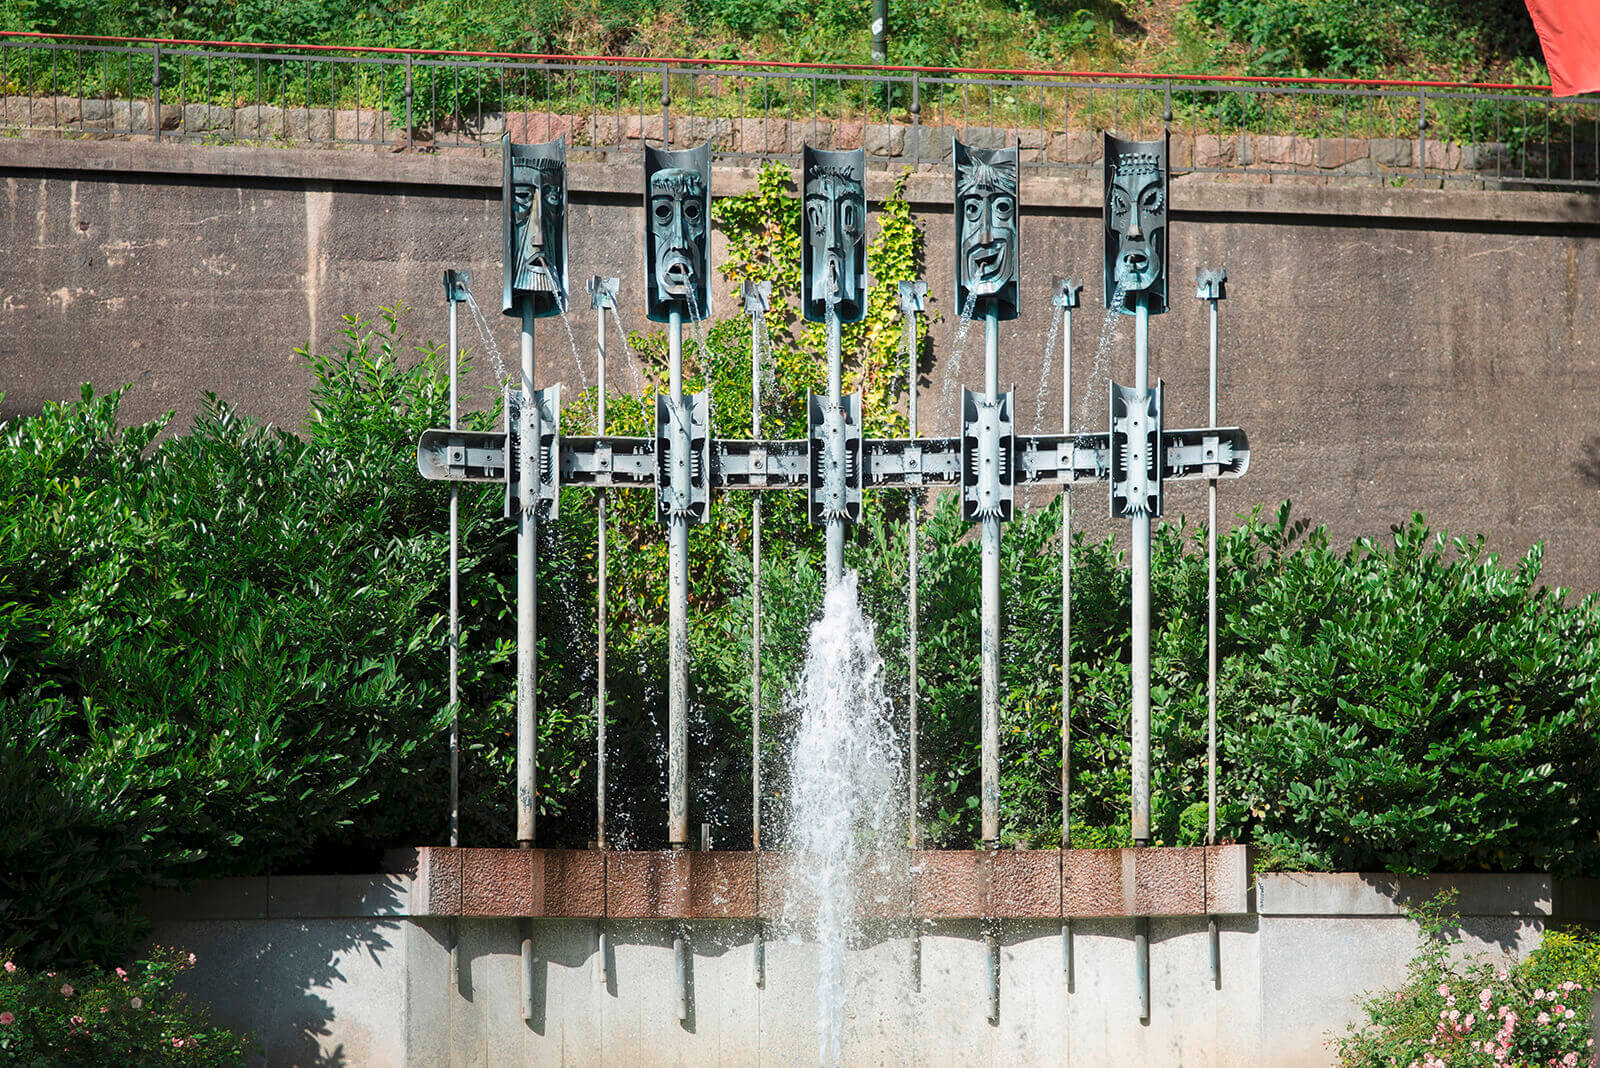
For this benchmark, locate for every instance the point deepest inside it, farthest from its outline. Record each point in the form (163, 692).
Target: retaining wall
(350, 970)
(1387, 349)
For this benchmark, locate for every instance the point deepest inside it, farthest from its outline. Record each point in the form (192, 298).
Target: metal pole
(677, 613)
(527, 598)
(835, 527)
(1141, 951)
(602, 297)
(1066, 298)
(1141, 608)
(527, 969)
(880, 31)
(1211, 602)
(990, 635)
(756, 296)
(451, 297)
(910, 299)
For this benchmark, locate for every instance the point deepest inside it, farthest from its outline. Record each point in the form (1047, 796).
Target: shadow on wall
(1588, 464)
(1497, 912)
(284, 968)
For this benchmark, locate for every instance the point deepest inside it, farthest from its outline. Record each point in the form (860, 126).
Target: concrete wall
(1387, 349)
(340, 971)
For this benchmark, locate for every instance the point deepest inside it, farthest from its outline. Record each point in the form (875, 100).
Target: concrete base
(345, 971)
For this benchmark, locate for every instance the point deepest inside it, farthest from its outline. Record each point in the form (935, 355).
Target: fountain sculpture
(834, 464)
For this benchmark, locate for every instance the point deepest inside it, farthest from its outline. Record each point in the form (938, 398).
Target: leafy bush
(1473, 1014)
(129, 1016)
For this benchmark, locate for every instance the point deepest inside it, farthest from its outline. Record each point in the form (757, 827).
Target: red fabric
(1569, 33)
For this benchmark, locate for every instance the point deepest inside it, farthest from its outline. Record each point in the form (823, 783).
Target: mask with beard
(988, 228)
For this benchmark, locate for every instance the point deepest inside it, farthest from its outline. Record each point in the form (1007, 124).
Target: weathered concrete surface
(724, 884)
(1388, 350)
(342, 971)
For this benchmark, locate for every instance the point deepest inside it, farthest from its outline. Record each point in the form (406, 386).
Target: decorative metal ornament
(534, 228)
(677, 197)
(988, 228)
(834, 253)
(1136, 183)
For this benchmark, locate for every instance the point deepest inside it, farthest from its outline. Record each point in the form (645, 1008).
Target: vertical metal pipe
(835, 524)
(1141, 953)
(757, 325)
(1211, 611)
(677, 614)
(680, 962)
(914, 561)
(991, 945)
(455, 590)
(527, 969)
(880, 31)
(602, 300)
(1066, 956)
(1216, 952)
(600, 597)
(990, 633)
(758, 951)
(1066, 593)
(527, 602)
(1141, 610)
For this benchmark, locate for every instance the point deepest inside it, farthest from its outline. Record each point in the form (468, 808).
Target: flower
(1570, 1060)
(105, 1008)
(1542, 1019)
(11, 966)
(66, 990)
(1444, 990)
(1484, 997)
(123, 975)
(7, 1019)
(177, 1043)
(77, 1019)
(191, 958)
(1571, 1013)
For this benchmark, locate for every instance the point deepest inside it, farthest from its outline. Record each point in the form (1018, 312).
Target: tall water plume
(845, 818)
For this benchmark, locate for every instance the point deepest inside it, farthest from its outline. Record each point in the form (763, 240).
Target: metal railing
(1332, 129)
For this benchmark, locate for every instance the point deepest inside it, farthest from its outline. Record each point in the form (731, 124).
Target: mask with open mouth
(988, 227)
(534, 231)
(677, 228)
(1136, 222)
(834, 253)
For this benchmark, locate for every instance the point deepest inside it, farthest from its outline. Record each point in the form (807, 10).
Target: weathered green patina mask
(988, 228)
(1136, 223)
(834, 253)
(677, 232)
(534, 232)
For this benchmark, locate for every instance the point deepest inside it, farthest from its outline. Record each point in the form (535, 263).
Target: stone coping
(942, 884)
(1194, 194)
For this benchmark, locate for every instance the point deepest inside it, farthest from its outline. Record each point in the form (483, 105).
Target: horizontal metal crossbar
(738, 464)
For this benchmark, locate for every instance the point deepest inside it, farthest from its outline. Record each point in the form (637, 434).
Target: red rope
(1367, 83)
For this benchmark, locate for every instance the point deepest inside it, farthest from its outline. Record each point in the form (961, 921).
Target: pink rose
(7, 1019)
(122, 975)
(11, 966)
(1542, 1019)
(77, 1019)
(1444, 990)
(66, 990)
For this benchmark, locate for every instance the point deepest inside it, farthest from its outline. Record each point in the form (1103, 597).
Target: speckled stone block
(1023, 884)
(574, 882)
(1091, 883)
(502, 882)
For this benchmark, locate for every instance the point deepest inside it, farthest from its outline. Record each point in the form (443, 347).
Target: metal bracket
(603, 292)
(457, 286)
(759, 465)
(1211, 284)
(1137, 460)
(547, 411)
(1065, 293)
(757, 297)
(683, 459)
(834, 458)
(462, 455)
(988, 457)
(913, 298)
